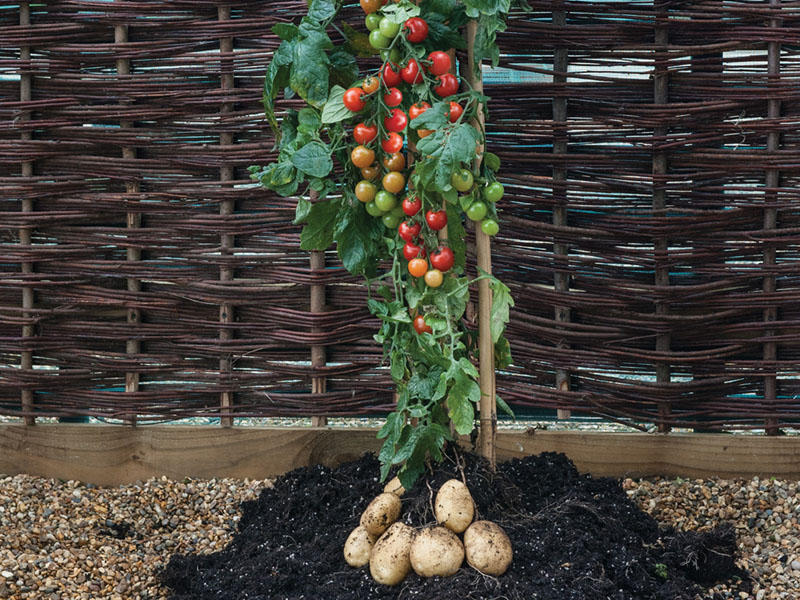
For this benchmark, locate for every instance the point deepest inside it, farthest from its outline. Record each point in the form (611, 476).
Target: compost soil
(574, 537)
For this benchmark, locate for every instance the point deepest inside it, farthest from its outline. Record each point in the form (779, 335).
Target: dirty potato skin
(436, 551)
(488, 548)
(358, 546)
(395, 487)
(454, 506)
(389, 562)
(381, 512)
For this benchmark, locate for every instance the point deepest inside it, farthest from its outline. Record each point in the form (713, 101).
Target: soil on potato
(574, 537)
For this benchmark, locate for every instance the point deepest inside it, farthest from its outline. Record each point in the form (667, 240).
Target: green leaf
(475, 8)
(321, 10)
(492, 161)
(357, 42)
(464, 392)
(344, 68)
(398, 364)
(286, 31)
(308, 121)
(309, 77)
(502, 353)
(443, 31)
(334, 109)
(501, 404)
(400, 13)
(313, 159)
(486, 40)
(467, 367)
(456, 237)
(501, 302)
(357, 238)
(377, 308)
(449, 149)
(433, 118)
(318, 232)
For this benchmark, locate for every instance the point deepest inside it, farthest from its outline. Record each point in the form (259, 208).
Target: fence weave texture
(651, 225)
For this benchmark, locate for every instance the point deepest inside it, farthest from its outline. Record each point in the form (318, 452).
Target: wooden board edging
(113, 455)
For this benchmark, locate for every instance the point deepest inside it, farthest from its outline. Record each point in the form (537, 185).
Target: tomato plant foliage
(429, 159)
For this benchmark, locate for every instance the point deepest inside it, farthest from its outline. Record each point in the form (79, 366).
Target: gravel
(64, 539)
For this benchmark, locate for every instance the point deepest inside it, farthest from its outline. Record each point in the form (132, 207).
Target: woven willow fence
(651, 227)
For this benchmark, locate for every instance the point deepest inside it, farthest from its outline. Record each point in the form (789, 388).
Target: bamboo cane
(488, 406)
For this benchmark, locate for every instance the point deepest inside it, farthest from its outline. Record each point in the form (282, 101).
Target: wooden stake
(488, 405)
(26, 356)
(134, 221)
(318, 384)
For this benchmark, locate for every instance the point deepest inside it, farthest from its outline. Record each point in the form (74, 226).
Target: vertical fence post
(133, 222)
(661, 244)
(560, 249)
(26, 355)
(227, 207)
(772, 180)
(318, 359)
(488, 403)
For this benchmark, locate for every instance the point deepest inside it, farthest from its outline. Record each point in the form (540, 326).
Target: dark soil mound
(574, 538)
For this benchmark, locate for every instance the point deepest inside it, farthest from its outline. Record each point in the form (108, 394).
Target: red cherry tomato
(411, 205)
(391, 75)
(393, 98)
(417, 109)
(456, 110)
(396, 121)
(416, 30)
(420, 326)
(412, 251)
(352, 99)
(443, 259)
(364, 134)
(411, 73)
(393, 143)
(440, 63)
(447, 86)
(409, 232)
(436, 220)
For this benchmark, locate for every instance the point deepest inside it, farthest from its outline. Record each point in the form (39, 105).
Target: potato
(381, 512)
(358, 546)
(488, 548)
(436, 551)
(395, 487)
(389, 562)
(454, 507)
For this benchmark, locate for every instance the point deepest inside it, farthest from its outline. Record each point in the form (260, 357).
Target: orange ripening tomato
(434, 278)
(395, 161)
(362, 157)
(370, 173)
(394, 182)
(371, 84)
(417, 267)
(423, 133)
(365, 191)
(370, 6)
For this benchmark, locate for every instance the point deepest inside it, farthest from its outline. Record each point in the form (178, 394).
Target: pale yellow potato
(358, 546)
(389, 562)
(395, 487)
(454, 507)
(436, 551)
(488, 548)
(381, 512)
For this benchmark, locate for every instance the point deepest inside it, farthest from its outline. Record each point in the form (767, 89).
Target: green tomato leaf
(501, 404)
(398, 365)
(309, 77)
(308, 120)
(456, 237)
(357, 42)
(464, 392)
(502, 353)
(358, 237)
(286, 31)
(433, 118)
(401, 12)
(447, 150)
(320, 221)
(321, 10)
(334, 109)
(344, 69)
(501, 302)
(301, 211)
(475, 8)
(313, 159)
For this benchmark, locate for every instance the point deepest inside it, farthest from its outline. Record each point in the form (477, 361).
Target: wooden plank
(112, 455)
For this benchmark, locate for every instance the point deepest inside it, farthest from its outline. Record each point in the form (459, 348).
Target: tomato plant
(327, 143)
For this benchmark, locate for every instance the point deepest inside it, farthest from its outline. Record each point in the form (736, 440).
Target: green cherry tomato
(462, 180)
(393, 56)
(386, 201)
(493, 192)
(398, 211)
(372, 21)
(391, 221)
(373, 210)
(476, 211)
(490, 227)
(388, 29)
(378, 40)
